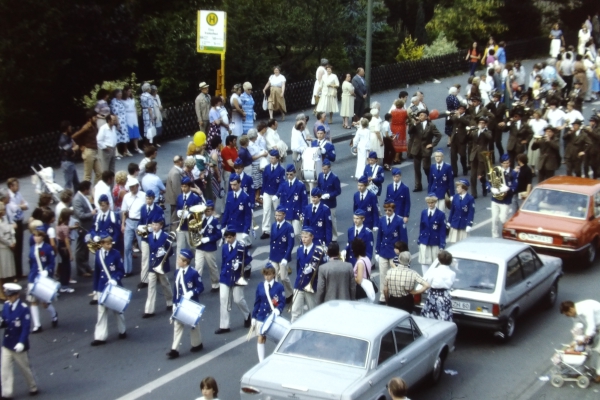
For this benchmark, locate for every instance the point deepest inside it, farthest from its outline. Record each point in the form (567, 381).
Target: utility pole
(369, 50)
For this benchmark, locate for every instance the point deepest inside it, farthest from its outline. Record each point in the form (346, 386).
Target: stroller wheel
(583, 381)
(557, 380)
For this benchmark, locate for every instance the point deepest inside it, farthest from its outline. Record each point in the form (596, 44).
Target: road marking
(163, 380)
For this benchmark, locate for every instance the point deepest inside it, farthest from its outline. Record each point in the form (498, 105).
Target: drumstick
(250, 334)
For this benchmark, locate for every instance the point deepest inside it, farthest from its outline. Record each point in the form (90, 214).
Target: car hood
(550, 223)
(307, 379)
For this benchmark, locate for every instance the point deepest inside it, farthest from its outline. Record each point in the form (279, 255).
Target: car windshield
(557, 202)
(325, 347)
(475, 275)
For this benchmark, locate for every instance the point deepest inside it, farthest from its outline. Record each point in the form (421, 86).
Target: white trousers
(238, 299)
(441, 204)
(302, 298)
(101, 331)
(384, 265)
(500, 214)
(282, 274)
(145, 249)
(9, 357)
(163, 279)
(334, 231)
(297, 225)
(209, 258)
(269, 206)
(195, 335)
(183, 241)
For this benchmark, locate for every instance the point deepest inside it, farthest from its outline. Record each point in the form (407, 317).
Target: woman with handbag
(441, 278)
(362, 270)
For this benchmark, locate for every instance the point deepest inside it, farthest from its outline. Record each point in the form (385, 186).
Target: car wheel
(438, 367)
(508, 330)
(590, 254)
(583, 381)
(557, 381)
(551, 296)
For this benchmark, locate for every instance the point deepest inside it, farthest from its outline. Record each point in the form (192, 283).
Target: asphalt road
(67, 367)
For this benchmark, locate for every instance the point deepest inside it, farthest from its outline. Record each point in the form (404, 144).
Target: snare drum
(275, 327)
(311, 164)
(115, 298)
(188, 312)
(44, 289)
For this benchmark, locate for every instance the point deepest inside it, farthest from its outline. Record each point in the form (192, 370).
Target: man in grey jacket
(336, 278)
(84, 213)
(360, 92)
(173, 188)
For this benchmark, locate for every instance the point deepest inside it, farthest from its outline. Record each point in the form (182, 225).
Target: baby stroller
(570, 366)
(44, 182)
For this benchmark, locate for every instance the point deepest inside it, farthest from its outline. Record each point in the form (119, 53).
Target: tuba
(316, 260)
(495, 175)
(195, 224)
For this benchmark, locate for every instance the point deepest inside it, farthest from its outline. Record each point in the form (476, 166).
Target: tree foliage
(440, 46)
(410, 50)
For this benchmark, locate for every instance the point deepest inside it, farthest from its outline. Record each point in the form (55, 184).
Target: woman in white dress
(583, 36)
(225, 128)
(237, 114)
(347, 108)
(276, 100)
(317, 88)
(375, 134)
(362, 144)
(328, 101)
(131, 117)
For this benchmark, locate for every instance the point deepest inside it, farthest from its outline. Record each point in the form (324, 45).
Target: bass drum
(311, 164)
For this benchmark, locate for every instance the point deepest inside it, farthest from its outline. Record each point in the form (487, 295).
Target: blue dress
(131, 117)
(247, 103)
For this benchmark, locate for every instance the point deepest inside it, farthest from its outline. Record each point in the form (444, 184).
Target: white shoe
(67, 290)
(138, 150)
(128, 154)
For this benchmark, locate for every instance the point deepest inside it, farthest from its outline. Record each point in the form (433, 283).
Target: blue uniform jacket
(246, 183)
(293, 198)
(228, 275)
(211, 230)
(262, 309)
(432, 232)
(388, 235)
(462, 212)
(154, 246)
(238, 212)
(369, 206)
(112, 226)
(319, 222)
(17, 323)
(331, 186)
(47, 258)
(192, 200)
(147, 218)
(511, 181)
(329, 150)
(401, 198)
(366, 235)
(272, 178)
(441, 182)
(302, 261)
(282, 242)
(377, 176)
(113, 263)
(44, 228)
(192, 281)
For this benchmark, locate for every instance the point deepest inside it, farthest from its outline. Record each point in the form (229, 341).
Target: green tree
(465, 21)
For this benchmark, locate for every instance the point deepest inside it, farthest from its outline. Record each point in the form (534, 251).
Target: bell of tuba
(195, 224)
(495, 175)
(317, 258)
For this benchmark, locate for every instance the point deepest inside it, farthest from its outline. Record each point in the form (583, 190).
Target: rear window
(325, 347)
(474, 275)
(556, 202)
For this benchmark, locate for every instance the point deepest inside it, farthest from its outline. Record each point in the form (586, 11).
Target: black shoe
(55, 321)
(5, 398)
(170, 308)
(98, 342)
(288, 300)
(123, 335)
(248, 321)
(34, 392)
(127, 275)
(142, 285)
(382, 303)
(264, 236)
(148, 315)
(418, 189)
(39, 329)
(221, 330)
(198, 348)
(172, 354)
(93, 302)
(247, 273)
(215, 290)
(485, 193)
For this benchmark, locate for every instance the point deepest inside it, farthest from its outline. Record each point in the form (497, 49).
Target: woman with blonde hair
(119, 190)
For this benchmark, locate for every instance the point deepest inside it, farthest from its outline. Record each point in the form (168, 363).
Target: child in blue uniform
(41, 263)
(158, 246)
(206, 253)
(432, 232)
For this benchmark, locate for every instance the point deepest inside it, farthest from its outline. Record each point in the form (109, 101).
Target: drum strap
(37, 259)
(104, 266)
(269, 294)
(180, 282)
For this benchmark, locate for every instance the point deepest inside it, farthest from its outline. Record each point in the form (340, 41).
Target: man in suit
(318, 217)
(331, 188)
(549, 160)
(593, 155)
(497, 108)
(440, 179)
(480, 140)
(366, 201)
(425, 136)
(281, 246)
(577, 143)
(577, 95)
(432, 232)
(392, 229)
(273, 175)
(336, 278)
(458, 140)
(360, 92)
(84, 213)
(292, 196)
(358, 230)
(173, 188)
(520, 134)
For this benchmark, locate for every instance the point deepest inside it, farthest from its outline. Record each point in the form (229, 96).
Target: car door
(387, 365)
(537, 277)
(514, 287)
(412, 356)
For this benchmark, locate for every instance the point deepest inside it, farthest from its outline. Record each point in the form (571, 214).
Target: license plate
(461, 305)
(539, 238)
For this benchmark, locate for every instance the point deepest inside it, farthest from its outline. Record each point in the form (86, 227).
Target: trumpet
(182, 219)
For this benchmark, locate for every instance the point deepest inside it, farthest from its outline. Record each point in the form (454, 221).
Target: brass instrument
(495, 175)
(93, 247)
(143, 231)
(317, 258)
(181, 219)
(195, 224)
(241, 258)
(168, 246)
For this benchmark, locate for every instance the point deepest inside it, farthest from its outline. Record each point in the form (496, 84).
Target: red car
(560, 217)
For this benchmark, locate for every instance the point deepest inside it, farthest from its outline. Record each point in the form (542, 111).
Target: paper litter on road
(451, 372)
(436, 81)
(544, 378)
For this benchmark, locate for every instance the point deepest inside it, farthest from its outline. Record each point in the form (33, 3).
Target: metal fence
(17, 156)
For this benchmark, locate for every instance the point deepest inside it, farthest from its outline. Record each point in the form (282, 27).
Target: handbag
(367, 288)
(265, 103)
(151, 133)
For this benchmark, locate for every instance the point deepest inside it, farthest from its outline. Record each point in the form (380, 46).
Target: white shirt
(100, 189)
(572, 116)
(133, 204)
(556, 117)
(106, 137)
(277, 81)
(537, 126)
(589, 311)
(298, 141)
(440, 277)
(271, 137)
